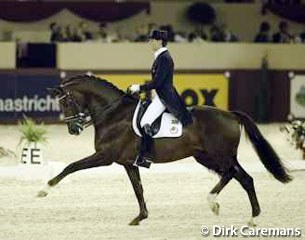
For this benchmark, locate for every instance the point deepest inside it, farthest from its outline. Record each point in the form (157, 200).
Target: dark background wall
(264, 95)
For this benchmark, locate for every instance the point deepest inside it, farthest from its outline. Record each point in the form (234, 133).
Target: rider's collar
(159, 51)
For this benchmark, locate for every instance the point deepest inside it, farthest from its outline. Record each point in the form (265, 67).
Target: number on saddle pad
(164, 126)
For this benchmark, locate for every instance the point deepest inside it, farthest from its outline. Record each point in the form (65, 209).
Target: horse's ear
(54, 91)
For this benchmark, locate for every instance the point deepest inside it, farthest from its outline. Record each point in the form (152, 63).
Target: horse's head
(81, 96)
(72, 104)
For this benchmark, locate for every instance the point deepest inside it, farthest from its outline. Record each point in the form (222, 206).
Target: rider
(164, 97)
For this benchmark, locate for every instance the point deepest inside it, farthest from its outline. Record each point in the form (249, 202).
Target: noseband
(79, 117)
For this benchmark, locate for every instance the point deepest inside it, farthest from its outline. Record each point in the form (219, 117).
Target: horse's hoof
(42, 194)
(134, 222)
(215, 208)
(138, 219)
(251, 222)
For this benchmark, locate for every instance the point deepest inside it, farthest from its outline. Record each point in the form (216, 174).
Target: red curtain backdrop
(95, 11)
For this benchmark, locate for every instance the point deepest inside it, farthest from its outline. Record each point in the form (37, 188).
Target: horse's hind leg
(94, 160)
(226, 177)
(134, 176)
(247, 183)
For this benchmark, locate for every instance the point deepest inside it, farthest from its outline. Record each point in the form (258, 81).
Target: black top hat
(158, 35)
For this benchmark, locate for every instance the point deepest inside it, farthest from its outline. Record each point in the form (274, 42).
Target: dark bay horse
(212, 139)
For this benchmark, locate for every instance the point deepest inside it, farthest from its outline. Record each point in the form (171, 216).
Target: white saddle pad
(170, 126)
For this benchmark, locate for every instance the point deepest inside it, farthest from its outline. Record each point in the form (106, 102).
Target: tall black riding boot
(145, 156)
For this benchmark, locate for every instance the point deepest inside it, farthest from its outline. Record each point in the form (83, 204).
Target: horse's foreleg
(247, 183)
(134, 176)
(94, 160)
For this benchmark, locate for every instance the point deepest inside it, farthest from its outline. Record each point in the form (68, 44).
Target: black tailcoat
(162, 81)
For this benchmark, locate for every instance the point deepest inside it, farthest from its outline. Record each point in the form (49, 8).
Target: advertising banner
(27, 95)
(195, 89)
(297, 96)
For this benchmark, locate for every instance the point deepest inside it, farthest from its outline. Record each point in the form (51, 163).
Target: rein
(81, 117)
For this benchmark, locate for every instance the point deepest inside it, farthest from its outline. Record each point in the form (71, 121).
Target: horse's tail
(266, 153)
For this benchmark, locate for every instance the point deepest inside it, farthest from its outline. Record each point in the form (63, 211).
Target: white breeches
(154, 110)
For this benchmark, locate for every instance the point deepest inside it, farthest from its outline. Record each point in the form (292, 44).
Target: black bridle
(81, 118)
